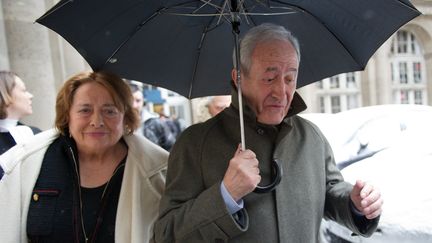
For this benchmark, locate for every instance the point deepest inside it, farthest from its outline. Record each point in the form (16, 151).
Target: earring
(127, 129)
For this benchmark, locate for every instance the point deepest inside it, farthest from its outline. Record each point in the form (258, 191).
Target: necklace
(102, 200)
(91, 200)
(80, 192)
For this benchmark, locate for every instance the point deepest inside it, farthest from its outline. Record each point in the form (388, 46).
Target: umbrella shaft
(239, 86)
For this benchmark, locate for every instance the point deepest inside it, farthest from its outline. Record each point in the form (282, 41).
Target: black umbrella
(187, 45)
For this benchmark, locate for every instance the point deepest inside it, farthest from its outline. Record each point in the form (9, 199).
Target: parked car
(390, 146)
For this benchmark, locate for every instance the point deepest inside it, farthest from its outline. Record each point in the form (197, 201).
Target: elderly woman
(91, 179)
(15, 104)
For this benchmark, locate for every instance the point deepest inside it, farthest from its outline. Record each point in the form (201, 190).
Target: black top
(6, 142)
(91, 198)
(94, 202)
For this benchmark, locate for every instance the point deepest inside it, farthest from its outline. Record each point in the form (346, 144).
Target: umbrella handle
(277, 169)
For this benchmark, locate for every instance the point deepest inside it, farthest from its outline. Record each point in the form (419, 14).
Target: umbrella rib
(55, 8)
(203, 36)
(205, 3)
(222, 11)
(218, 14)
(410, 6)
(113, 60)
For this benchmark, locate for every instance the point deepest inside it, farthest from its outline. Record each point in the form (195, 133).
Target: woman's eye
(84, 111)
(110, 112)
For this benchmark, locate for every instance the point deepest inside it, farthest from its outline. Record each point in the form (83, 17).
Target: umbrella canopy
(187, 45)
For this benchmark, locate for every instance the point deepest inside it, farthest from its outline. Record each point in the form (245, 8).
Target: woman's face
(95, 123)
(21, 105)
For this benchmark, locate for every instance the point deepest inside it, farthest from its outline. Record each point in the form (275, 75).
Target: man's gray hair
(259, 34)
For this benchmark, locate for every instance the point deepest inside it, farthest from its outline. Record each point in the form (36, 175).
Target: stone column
(66, 60)
(368, 84)
(383, 75)
(30, 56)
(4, 56)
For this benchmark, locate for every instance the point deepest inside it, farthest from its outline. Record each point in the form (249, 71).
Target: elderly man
(217, 104)
(209, 193)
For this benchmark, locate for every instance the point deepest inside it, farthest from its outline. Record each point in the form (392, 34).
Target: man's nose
(279, 88)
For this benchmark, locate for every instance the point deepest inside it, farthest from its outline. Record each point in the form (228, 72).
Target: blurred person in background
(138, 104)
(217, 104)
(90, 179)
(152, 124)
(15, 104)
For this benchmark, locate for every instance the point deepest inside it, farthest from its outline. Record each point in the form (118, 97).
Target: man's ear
(234, 76)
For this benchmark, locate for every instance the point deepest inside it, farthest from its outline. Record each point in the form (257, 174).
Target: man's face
(218, 104)
(271, 82)
(138, 101)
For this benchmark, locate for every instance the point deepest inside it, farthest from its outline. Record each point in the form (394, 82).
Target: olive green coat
(193, 210)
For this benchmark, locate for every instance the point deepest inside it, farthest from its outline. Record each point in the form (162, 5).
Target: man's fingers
(257, 171)
(374, 210)
(238, 150)
(371, 198)
(366, 190)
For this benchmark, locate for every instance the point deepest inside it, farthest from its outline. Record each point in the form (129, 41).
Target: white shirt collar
(7, 124)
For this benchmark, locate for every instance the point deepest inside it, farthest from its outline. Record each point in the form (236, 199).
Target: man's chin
(271, 121)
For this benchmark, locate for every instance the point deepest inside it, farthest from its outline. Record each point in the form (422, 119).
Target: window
(351, 80)
(335, 104)
(322, 104)
(418, 97)
(352, 101)
(417, 72)
(339, 93)
(334, 82)
(408, 69)
(404, 97)
(403, 76)
(402, 37)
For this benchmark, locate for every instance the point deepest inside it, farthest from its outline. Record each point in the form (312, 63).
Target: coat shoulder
(145, 154)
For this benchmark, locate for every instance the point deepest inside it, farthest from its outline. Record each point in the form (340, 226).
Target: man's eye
(269, 80)
(289, 80)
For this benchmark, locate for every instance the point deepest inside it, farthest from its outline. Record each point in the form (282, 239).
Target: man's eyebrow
(272, 69)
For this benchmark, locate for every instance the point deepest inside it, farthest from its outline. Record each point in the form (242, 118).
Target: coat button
(260, 131)
(35, 197)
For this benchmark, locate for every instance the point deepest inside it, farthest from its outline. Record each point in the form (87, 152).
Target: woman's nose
(97, 120)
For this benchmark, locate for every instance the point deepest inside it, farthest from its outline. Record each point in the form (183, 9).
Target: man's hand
(242, 175)
(367, 199)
